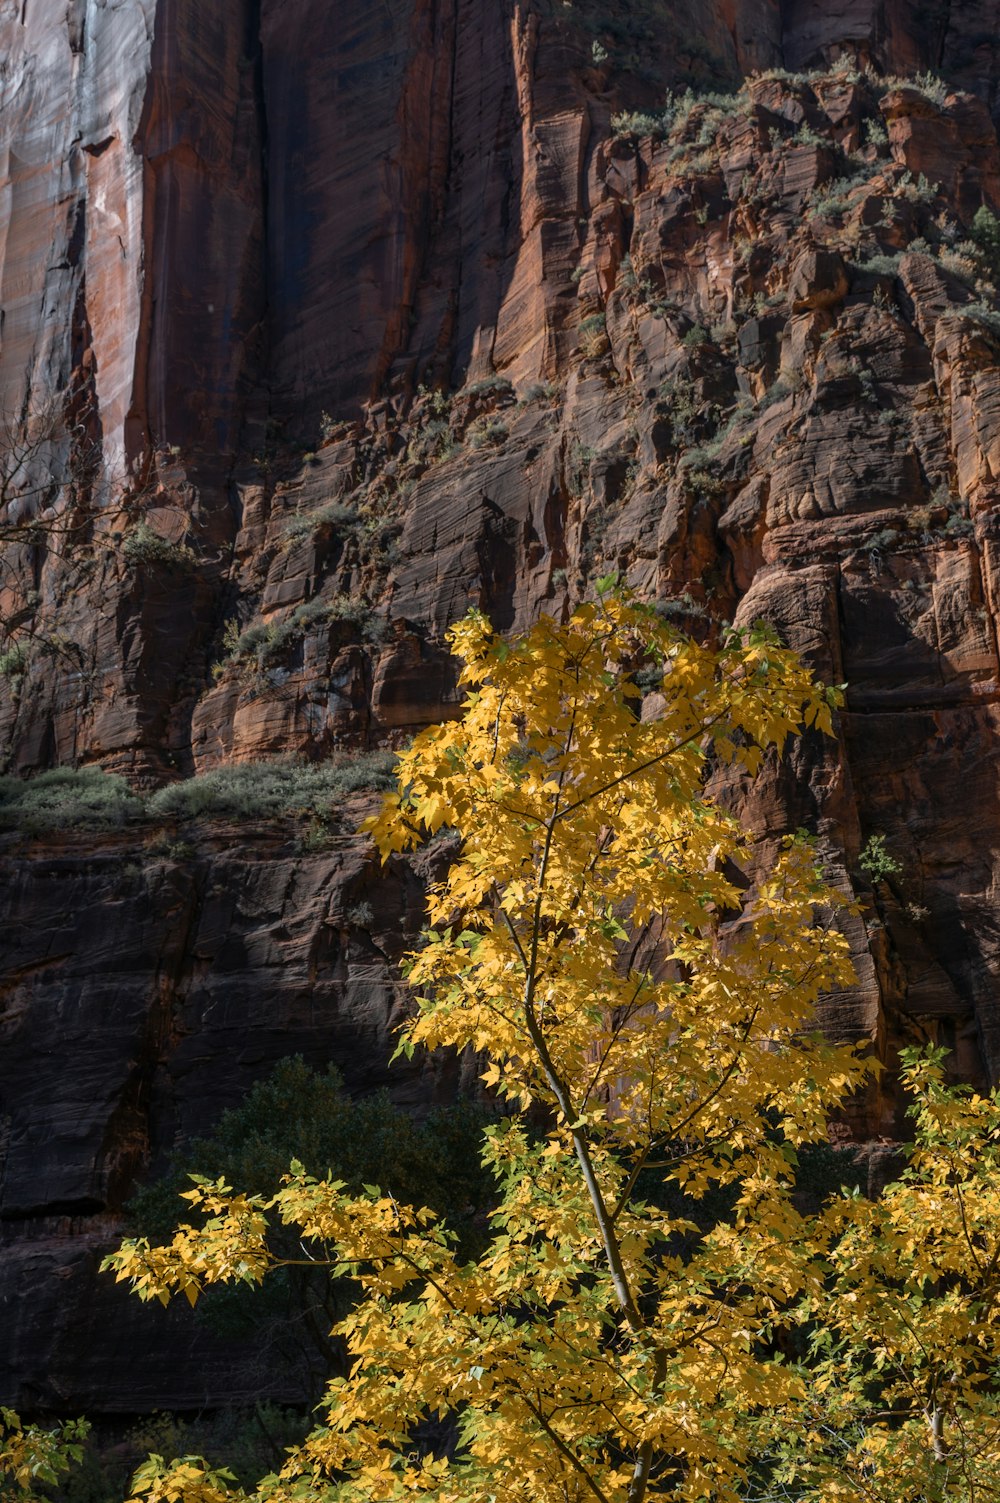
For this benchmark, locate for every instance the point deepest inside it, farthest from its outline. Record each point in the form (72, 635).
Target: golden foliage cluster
(654, 1315)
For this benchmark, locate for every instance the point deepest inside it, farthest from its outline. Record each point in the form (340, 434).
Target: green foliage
(785, 386)
(67, 798)
(880, 266)
(487, 430)
(929, 84)
(985, 235)
(142, 546)
(14, 661)
(920, 192)
(489, 386)
(638, 123)
(876, 862)
(267, 790)
(982, 313)
(593, 336)
(677, 608)
(834, 198)
(538, 391)
(874, 133)
(332, 514)
(823, 1170)
(695, 336)
(263, 644)
(32, 1458)
(805, 135)
(299, 1113)
(880, 542)
(596, 1334)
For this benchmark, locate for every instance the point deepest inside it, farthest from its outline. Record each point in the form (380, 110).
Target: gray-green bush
(141, 545)
(67, 798)
(269, 790)
(87, 798)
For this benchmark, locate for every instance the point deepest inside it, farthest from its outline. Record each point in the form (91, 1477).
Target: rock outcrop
(319, 325)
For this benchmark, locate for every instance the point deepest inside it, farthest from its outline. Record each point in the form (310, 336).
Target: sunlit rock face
(320, 324)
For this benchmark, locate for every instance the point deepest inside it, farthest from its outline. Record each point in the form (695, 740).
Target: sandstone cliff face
(319, 325)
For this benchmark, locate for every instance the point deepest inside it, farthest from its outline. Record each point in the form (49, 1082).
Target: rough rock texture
(154, 983)
(319, 324)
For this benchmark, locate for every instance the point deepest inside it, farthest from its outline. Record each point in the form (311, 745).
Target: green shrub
(593, 336)
(834, 198)
(271, 790)
(821, 1170)
(490, 430)
(86, 798)
(266, 641)
(881, 541)
(874, 133)
(14, 661)
(876, 862)
(141, 545)
(362, 615)
(782, 75)
(697, 335)
(539, 391)
(639, 123)
(880, 266)
(680, 607)
(982, 313)
(919, 192)
(66, 798)
(963, 261)
(785, 386)
(300, 1113)
(985, 235)
(489, 386)
(333, 514)
(246, 1441)
(928, 84)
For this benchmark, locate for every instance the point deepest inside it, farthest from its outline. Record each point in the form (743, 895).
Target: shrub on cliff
(87, 798)
(269, 790)
(298, 1112)
(142, 545)
(67, 798)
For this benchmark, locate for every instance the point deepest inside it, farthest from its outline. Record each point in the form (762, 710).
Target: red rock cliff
(319, 324)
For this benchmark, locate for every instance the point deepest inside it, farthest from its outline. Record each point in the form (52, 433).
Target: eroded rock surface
(319, 325)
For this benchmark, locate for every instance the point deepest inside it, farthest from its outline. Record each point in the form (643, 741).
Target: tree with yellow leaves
(903, 1376)
(33, 1458)
(640, 983)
